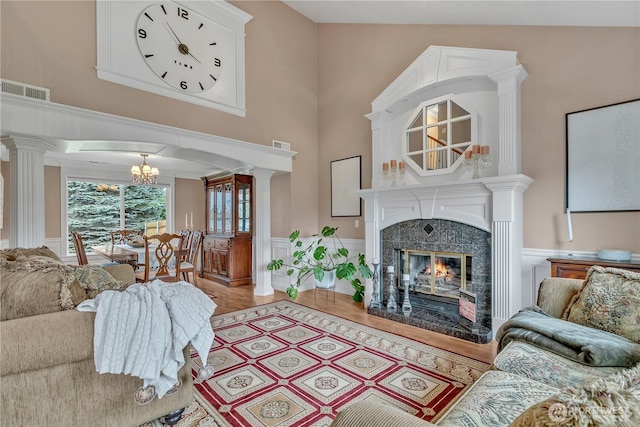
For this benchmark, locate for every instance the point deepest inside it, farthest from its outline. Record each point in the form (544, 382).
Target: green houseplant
(325, 253)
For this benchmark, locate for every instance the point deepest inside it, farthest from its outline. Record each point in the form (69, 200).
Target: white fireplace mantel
(490, 80)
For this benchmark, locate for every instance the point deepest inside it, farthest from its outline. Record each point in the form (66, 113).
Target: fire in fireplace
(436, 273)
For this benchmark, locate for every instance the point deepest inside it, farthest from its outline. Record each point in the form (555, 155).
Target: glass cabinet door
(219, 209)
(211, 225)
(228, 209)
(229, 205)
(244, 208)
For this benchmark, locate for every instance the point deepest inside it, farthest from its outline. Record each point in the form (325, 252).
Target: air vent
(281, 145)
(23, 89)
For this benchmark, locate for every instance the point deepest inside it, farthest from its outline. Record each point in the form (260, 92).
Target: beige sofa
(48, 374)
(531, 386)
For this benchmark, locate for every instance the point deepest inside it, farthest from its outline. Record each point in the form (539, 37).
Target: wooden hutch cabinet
(226, 249)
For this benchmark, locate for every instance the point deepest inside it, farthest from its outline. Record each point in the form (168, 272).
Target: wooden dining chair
(79, 246)
(119, 237)
(186, 244)
(166, 250)
(189, 264)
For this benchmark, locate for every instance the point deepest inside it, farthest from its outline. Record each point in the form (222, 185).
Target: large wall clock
(188, 50)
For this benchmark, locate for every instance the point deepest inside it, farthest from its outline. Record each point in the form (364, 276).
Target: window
(96, 208)
(437, 136)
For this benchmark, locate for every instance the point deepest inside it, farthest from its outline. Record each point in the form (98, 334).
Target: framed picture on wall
(603, 154)
(345, 182)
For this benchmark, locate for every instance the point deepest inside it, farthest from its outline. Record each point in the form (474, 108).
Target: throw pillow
(29, 288)
(94, 279)
(41, 259)
(16, 253)
(610, 401)
(609, 300)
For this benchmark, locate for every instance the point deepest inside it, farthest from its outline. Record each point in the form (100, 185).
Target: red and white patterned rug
(284, 364)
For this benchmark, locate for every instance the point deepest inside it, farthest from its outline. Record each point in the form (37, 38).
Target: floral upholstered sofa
(573, 360)
(48, 374)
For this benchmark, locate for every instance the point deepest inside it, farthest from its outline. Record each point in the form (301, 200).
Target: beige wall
(570, 69)
(313, 90)
(190, 198)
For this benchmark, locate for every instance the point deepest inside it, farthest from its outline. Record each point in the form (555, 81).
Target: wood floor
(237, 298)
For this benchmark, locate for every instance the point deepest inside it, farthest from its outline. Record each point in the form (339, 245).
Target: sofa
(536, 383)
(47, 368)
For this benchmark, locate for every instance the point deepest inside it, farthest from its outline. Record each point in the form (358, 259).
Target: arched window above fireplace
(437, 135)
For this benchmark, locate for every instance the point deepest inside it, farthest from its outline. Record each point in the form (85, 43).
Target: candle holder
(406, 304)
(392, 304)
(375, 300)
(401, 174)
(477, 159)
(393, 172)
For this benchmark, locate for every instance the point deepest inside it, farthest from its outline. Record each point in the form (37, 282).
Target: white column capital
(27, 143)
(510, 79)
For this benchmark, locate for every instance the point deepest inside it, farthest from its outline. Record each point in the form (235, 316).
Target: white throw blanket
(143, 330)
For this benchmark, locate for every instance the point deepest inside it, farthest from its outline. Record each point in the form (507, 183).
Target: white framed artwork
(345, 182)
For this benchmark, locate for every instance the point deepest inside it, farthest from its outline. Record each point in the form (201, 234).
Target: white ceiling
(624, 13)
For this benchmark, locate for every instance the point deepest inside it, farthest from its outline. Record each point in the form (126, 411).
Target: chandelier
(144, 174)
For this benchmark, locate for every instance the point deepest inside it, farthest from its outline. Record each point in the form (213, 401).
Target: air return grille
(281, 145)
(23, 89)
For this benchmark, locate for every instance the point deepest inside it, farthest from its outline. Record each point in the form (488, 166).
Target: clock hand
(183, 48)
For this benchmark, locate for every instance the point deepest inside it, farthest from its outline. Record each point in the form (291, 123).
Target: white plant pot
(328, 281)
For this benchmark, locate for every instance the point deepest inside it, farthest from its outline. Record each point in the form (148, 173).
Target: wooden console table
(576, 268)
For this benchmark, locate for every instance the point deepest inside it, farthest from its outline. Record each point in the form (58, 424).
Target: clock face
(180, 46)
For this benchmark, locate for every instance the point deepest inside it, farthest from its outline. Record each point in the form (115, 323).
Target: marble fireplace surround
(440, 314)
(490, 80)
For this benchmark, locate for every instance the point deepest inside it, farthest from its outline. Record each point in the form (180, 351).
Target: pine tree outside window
(96, 208)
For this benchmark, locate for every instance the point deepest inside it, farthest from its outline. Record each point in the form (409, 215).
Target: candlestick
(406, 304)
(191, 219)
(393, 171)
(477, 160)
(392, 305)
(375, 300)
(385, 174)
(186, 220)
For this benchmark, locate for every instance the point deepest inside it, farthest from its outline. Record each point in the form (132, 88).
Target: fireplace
(486, 207)
(434, 273)
(440, 257)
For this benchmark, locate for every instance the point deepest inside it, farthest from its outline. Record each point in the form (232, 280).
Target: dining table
(127, 254)
(122, 254)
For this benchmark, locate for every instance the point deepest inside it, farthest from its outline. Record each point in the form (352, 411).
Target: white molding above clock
(119, 59)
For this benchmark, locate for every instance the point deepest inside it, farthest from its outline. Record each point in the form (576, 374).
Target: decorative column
(371, 239)
(506, 246)
(509, 83)
(262, 231)
(26, 192)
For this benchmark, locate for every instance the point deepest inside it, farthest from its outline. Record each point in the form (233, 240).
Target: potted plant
(325, 255)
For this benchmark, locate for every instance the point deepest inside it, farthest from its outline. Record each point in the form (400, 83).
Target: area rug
(284, 364)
